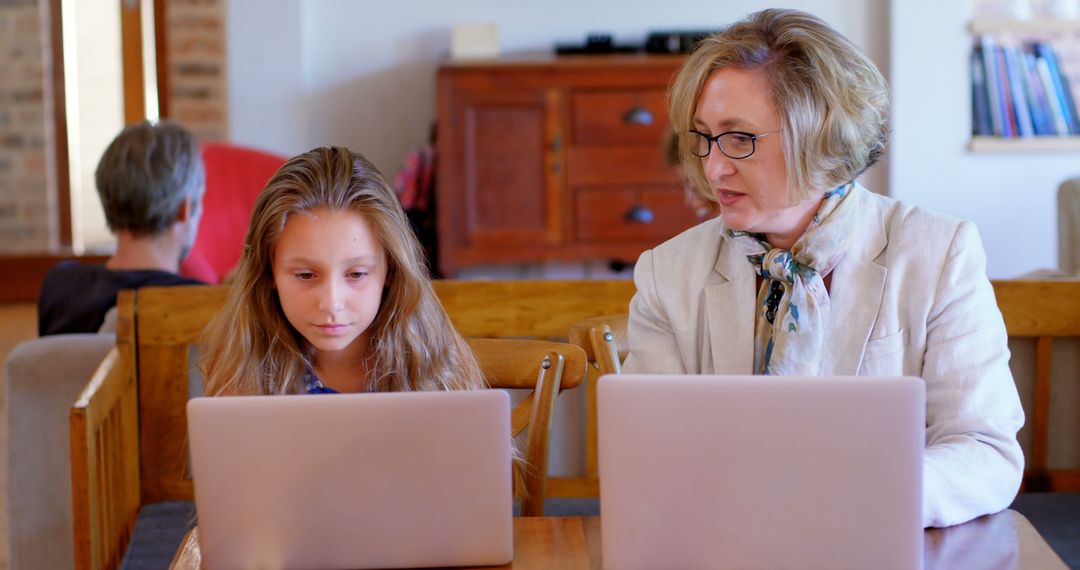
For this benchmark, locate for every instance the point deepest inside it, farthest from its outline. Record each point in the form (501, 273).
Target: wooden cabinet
(555, 158)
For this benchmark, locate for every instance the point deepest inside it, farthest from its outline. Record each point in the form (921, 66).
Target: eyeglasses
(734, 144)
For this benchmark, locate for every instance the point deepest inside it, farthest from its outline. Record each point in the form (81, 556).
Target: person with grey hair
(807, 273)
(151, 182)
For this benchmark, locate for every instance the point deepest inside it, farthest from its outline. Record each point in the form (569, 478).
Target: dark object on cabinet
(555, 159)
(675, 42)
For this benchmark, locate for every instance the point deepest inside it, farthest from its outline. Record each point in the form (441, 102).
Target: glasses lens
(737, 145)
(698, 144)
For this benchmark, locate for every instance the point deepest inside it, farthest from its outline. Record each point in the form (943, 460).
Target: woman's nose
(718, 165)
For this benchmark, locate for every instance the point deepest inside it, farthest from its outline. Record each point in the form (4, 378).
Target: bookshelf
(1041, 28)
(1028, 144)
(1034, 26)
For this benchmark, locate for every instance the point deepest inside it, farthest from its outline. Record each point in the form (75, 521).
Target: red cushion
(234, 177)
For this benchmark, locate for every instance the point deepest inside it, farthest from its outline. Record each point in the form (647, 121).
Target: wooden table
(1003, 541)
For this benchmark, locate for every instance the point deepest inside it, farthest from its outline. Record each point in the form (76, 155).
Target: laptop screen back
(761, 472)
(353, 480)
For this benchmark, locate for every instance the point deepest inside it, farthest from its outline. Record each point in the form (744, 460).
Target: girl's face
(329, 271)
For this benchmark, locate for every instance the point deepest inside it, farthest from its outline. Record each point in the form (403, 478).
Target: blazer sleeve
(973, 462)
(653, 348)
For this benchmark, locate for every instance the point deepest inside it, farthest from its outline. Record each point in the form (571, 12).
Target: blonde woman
(807, 273)
(332, 294)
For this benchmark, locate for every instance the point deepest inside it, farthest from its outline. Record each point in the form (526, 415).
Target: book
(993, 96)
(1021, 110)
(1008, 112)
(1041, 117)
(1060, 124)
(981, 123)
(1061, 87)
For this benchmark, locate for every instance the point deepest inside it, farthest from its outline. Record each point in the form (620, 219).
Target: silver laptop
(353, 480)
(761, 472)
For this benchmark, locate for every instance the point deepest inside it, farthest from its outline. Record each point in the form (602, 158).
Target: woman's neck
(802, 214)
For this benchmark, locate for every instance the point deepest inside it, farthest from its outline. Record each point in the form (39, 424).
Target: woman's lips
(728, 197)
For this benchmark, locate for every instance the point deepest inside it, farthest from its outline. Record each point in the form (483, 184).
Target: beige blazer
(911, 297)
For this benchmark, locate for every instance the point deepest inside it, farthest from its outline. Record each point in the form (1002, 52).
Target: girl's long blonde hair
(250, 347)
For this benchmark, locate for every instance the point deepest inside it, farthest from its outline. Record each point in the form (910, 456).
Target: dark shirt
(75, 297)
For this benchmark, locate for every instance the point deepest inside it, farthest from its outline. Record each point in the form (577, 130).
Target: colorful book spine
(1021, 109)
(981, 124)
(1060, 124)
(993, 96)
(1061, 87)
(1040, 106)
(1008, 114)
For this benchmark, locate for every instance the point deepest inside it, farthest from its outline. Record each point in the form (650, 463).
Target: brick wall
(198, 99)
(25, 198)
(196, 60)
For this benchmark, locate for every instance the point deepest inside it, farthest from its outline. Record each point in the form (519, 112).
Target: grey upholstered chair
(43, 377)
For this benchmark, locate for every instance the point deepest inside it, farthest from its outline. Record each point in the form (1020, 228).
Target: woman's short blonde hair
(832, 100)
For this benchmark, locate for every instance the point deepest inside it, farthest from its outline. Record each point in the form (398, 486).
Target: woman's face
(753, 191)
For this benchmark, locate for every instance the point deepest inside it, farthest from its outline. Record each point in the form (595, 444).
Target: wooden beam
(25, 274)
(60, 140)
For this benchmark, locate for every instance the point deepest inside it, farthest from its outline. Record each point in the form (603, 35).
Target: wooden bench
(128, 429)
(1043, 310)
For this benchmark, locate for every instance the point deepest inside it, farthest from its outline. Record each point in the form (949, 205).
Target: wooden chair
(1044, 310)
(538, 309)
(129, 430)
(605, 344)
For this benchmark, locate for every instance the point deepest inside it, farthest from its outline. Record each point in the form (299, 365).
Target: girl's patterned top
(315, 386)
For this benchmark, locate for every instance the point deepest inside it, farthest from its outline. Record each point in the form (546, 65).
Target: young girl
(331, 293)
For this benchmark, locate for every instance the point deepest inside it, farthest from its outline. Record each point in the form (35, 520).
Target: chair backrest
(136, 400)
(545, 368)
(606, 345)
(537, 309)
(1068, 206)
(104, 431)
(235, 176)
(1044, 310)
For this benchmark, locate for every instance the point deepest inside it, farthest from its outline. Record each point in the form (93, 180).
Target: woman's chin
(735, 220)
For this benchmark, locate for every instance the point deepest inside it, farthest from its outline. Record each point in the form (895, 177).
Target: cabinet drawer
(602, 214)
(621, 117)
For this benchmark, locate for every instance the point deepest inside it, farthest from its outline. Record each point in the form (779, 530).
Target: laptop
(761, 472)
(395, 480)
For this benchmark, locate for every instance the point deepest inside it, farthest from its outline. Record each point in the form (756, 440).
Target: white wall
(1009, 196)
(320, 72)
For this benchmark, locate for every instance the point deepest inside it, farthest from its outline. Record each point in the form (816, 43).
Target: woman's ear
(185, 211)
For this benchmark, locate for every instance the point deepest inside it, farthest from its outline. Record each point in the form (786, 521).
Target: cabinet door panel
(509, 168)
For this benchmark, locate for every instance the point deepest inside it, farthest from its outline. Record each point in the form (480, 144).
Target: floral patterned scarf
(793, 305)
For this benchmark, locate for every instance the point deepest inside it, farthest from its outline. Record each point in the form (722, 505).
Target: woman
(807, 273)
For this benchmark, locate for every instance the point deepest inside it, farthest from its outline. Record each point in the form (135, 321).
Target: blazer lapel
(730, 304)
(858, 284)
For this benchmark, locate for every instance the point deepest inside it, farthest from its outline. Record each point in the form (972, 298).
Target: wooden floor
(17, 323)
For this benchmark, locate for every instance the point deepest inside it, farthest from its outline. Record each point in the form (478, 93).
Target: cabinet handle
(639, 214)
(637, 115)
(556, 143)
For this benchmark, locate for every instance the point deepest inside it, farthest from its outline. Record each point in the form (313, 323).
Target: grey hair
(146, 174)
